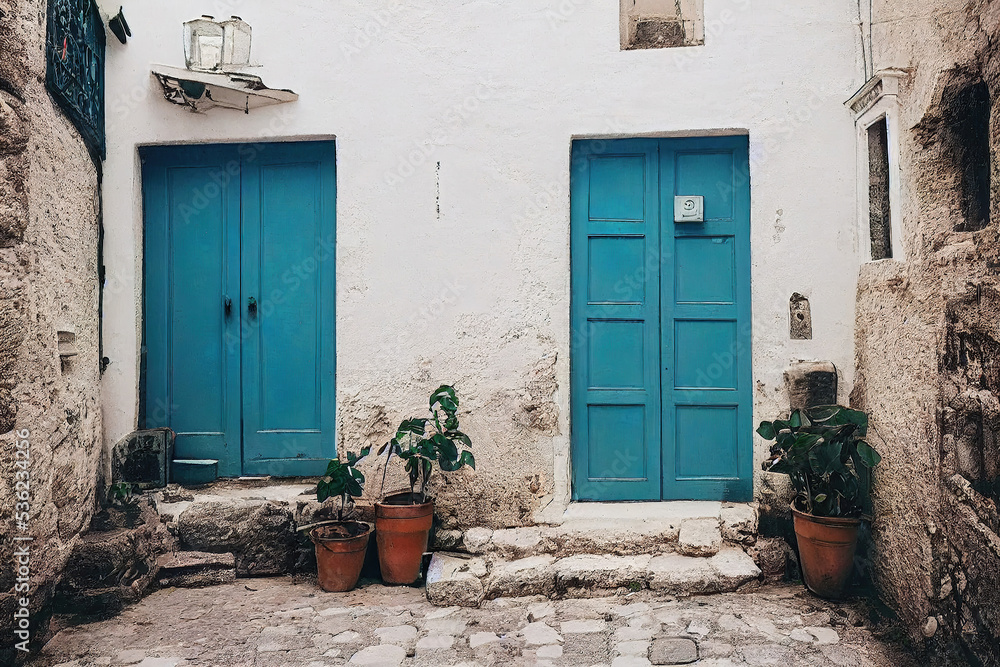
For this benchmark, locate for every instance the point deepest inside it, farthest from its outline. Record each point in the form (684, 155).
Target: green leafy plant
(420, 442)
(824, 452)
(343, 480)
(121, 494)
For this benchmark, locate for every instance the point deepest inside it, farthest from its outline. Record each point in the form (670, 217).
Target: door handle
(227, 303)
(252, 307)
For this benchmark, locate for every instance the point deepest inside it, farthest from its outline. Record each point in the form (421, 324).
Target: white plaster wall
(495, 91)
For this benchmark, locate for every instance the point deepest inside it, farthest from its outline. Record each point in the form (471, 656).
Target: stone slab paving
(289, 622)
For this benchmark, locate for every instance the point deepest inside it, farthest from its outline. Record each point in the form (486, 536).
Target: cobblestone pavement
(289, 622)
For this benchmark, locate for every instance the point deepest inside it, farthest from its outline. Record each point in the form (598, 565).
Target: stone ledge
(622, 529)
(463, 581)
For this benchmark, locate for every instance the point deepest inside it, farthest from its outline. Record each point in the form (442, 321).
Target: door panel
(616, 401)
(289, 269)
(705, 317)
(661, 321)
(191, 235)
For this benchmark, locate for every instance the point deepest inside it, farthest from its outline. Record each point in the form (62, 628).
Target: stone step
(468, 580)
(194, 569)
(689, 528)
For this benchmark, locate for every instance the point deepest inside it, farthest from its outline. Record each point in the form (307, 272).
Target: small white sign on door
(689, 208)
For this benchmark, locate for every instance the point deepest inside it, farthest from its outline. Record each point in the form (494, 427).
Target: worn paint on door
(239, 303)
(661, 386)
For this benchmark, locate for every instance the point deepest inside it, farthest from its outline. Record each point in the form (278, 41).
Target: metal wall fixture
(216, 53)
(217, 46)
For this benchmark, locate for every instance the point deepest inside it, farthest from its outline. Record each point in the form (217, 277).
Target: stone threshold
(691, 528)
(458, 579)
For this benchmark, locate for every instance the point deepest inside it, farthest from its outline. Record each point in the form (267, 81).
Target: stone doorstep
(690, 528)
(194, 569)
(467, 581)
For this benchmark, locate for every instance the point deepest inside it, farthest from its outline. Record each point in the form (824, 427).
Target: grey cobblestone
(289, 622)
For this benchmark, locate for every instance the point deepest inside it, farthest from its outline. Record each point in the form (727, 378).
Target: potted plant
(341, 545)
(824, 452)
(403, 520)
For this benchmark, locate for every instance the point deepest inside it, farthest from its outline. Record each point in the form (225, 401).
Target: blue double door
(239, 271)
(661, 363)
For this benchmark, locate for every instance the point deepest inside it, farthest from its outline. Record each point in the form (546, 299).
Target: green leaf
(467, 459)
(795, 420)
(821, 497)
(766, 431)
(354, 488)
(778, 466)
(446, 398)
(825, 457)
(414, 426)
(447, 451)
(868, 455)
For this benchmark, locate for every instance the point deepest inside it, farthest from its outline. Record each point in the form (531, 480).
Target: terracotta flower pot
(826, 551)
(401, 532)
(340, 554)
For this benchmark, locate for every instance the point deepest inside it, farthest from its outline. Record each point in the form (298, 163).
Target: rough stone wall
(928, 333)
(502, 493)
(48, 283)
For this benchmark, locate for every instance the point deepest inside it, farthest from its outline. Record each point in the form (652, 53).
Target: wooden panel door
(239, 303)
(705, 323)
(191, 268)
(661, 401)
(615, 308)
(288, 309)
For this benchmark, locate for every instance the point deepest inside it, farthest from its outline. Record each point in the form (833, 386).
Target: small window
(660, 24)
(879, 215)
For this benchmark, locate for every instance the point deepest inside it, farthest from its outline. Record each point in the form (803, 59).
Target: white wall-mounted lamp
(217, 46)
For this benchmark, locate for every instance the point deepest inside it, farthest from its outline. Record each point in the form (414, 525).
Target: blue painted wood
(254, 390)
(660, 367)
(706, 325)
(289, 361)
(615, 343)
(191, 238)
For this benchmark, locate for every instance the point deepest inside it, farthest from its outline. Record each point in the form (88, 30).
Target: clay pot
(339, 557)
(401, 532)
(826, 551)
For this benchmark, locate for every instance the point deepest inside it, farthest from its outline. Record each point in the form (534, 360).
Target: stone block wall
(49, 207)
(928, 334)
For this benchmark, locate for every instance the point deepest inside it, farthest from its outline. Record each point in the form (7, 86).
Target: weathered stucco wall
(454, 122)
(927, 336)
(48, 282)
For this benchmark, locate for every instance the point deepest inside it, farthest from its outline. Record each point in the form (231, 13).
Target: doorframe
(565, 476)
(141, 416)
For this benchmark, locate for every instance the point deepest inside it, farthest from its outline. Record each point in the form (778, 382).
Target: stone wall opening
(967, 137)
(660, 24)
(879, 216)
(970, 366)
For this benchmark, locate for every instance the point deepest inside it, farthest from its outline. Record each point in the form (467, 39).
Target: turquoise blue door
(660, 311)
(239, 303)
